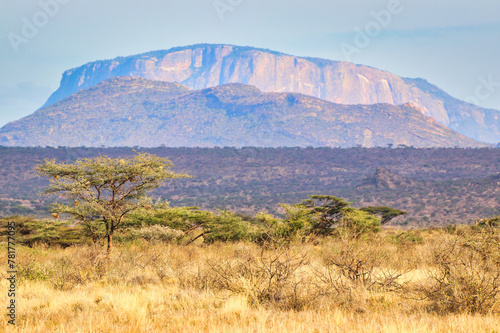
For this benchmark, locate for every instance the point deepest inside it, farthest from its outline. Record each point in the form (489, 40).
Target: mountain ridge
(208, 65)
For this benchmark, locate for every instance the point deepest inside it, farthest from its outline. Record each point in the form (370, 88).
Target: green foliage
(229, 227)
(158, 233)
(180, 218)
(226, 226)
(105, 189)
(408, 237)
(297, 223)
(357, 222)
(33, 272)
(326, 211)
(31, 231)
(326, 214)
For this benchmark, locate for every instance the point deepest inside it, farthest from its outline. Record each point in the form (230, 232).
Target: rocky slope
(128, 111)
(204, 66)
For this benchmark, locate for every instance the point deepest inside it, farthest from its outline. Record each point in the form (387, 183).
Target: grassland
(427, 280)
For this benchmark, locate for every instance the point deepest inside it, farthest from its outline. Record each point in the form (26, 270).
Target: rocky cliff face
(128, 111)
(205, 66)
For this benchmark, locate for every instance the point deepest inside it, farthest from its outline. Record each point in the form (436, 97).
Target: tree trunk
(110, 244)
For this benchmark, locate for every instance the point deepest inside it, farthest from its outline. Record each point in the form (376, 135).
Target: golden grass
(174, 288)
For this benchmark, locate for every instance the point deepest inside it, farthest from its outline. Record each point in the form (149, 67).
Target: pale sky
(453, 44)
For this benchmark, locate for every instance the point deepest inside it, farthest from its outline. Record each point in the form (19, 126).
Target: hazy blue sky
(454, 44)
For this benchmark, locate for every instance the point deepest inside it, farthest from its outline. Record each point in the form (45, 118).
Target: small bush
(408, 237)
(33, 271)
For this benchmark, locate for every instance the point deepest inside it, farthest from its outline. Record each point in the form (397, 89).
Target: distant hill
(210, 65)
(127, 111)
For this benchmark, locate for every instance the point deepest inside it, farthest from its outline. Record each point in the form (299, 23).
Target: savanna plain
(427, 280)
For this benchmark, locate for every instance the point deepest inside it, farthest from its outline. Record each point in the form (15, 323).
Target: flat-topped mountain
(205, 66)
(128, 111)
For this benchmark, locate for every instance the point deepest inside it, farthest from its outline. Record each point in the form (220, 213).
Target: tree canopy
(329, 209)
(385, 213)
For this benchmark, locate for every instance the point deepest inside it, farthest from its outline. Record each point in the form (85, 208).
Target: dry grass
(241, 287)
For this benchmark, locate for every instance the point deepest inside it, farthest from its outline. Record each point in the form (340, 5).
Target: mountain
(205, 66)
(130, 111)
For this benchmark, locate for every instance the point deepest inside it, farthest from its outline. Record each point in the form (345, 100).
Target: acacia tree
(330, 212)
(104, 190)
(329, 209)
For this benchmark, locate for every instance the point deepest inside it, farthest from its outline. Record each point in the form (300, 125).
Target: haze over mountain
(204, 66)
(129, 111)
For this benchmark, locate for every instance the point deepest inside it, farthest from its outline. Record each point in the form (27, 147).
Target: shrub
(363, 264)
(228, 227)
(408, 237)
(274, 279)
(33, 271)
(357, 222)
(296, 225)
(158, 233)
(181, 218)
(467, 274)
(31, 231)
(492, 222)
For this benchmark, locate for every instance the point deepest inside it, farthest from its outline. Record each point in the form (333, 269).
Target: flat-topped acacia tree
(106, 189)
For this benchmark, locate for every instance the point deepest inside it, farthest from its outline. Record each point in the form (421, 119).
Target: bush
(296, 225)
(229, 227)
(33, 271)
(467, 274)
(363, 264)
(226, 226)
(274, 279)
(493, 222)
(408, 237)
(357, 222)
